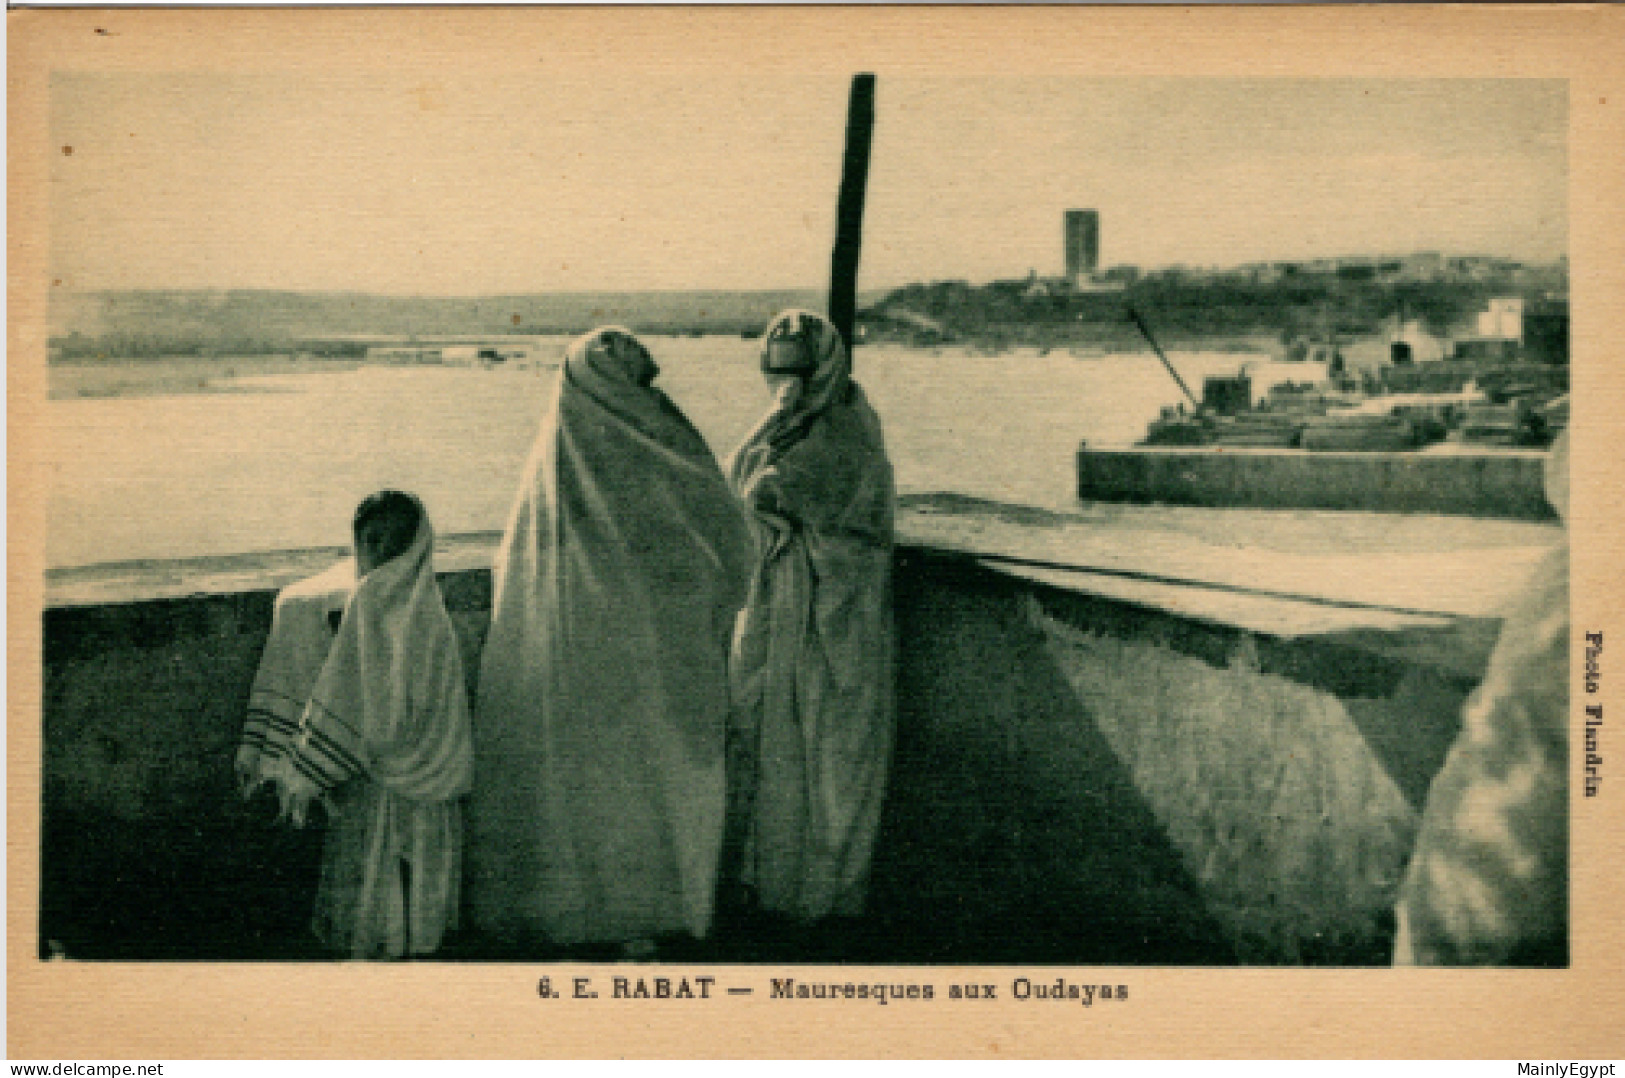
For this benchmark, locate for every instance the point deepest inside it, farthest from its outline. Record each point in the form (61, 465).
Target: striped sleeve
(272, 722)
(327, 750)
(255, 728)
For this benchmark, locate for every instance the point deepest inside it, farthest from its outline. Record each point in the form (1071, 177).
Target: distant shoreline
(101, 379)
(1215, 311)
(126, 377)
(322, 353)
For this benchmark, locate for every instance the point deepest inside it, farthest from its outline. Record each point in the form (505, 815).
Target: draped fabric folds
(301, 635)
(603, 693)
(387, 730)
(812, 656)
(1487, 882)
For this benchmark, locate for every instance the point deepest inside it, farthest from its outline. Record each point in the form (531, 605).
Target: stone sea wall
(1076, 780)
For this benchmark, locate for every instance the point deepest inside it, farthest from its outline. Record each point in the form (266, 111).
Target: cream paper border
(67, 1011)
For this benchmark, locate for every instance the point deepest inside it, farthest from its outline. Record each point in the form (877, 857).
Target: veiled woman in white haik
(603, 692)
(812, 659)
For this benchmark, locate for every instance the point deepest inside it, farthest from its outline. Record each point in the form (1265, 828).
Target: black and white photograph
(523, 494)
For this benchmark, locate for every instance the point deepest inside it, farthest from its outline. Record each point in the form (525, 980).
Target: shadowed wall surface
(1076, 780)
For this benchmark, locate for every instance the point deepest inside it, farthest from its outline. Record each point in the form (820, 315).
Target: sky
(466, 181)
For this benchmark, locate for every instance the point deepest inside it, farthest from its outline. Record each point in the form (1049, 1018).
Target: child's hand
(247, 769)
(295, 806)
(295, 793)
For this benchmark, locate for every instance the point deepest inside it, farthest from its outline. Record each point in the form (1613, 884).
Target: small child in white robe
(384, 742)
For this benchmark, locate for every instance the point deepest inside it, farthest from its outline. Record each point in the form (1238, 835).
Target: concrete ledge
(1503, 483)
(91, 610)
(1027, 820)
(263, 571)
(99, 608)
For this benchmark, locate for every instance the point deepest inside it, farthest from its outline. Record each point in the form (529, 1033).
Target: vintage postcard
(809, 532)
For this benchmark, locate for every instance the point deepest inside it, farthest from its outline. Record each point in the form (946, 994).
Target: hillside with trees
(1347, 301)
(147, 324)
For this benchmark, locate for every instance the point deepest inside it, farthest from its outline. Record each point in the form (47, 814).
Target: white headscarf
(800, 400)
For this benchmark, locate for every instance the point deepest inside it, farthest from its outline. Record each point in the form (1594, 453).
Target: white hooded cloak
(1487, 883)
(386, 730)
(603, 694)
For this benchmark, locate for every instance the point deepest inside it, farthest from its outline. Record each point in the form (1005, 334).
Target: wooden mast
(843, 263)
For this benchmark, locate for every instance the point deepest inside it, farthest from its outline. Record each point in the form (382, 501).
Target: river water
(278, 462)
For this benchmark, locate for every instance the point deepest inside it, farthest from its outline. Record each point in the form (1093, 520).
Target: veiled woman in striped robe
(384, 741)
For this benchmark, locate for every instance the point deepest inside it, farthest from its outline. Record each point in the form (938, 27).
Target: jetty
(1464, 481)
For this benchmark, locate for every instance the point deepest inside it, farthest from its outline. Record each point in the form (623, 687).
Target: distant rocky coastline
(1216, 310)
